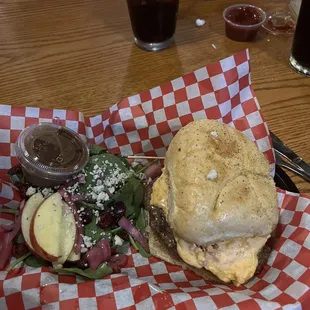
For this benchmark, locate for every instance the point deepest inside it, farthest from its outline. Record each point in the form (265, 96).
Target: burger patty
(158, 222)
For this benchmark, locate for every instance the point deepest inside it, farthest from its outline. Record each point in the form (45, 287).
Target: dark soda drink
(153, 22)
(300, 57)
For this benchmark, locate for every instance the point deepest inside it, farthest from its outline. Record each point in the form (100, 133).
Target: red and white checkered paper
(145, 124)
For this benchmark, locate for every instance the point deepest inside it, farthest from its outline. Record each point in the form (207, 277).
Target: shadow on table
(153, 71)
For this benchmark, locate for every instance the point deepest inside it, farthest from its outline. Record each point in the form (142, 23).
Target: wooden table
(79, 54)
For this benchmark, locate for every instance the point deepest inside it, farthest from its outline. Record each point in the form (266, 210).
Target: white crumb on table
(213, 133)
(214, 46)
(200, 22)
(212, 175)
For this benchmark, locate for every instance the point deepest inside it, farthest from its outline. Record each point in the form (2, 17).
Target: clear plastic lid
(52, 150)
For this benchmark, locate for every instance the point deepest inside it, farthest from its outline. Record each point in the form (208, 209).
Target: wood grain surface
(79, 54)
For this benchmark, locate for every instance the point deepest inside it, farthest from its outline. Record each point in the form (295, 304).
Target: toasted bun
(239, 202)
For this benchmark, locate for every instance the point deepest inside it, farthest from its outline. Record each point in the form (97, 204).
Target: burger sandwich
(214, 206)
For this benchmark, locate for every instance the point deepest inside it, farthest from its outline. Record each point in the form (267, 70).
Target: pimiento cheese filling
(234, 260)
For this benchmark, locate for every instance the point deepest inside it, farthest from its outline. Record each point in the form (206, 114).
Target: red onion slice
(11, 235)
(6, 249)
(99, 254)
(79, 230)
(134, 232)
(94, 257)
(77, 197)
(6, 228)
(118, 261)
(153, 171)
(105, 246)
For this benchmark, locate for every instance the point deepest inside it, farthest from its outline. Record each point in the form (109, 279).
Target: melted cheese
(160, 193)
(234, 260)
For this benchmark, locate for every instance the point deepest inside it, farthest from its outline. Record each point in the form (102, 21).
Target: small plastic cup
(242, 21)
(50, 154)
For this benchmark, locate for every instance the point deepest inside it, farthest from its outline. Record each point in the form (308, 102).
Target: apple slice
(53, 230)
(29, 210)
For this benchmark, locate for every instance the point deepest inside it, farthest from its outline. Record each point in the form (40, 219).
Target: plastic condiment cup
(50, 154)
(242, 32)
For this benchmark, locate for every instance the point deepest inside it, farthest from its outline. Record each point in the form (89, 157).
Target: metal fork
(297, 170)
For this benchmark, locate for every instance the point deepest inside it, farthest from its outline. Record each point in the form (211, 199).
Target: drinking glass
(300, 54)
(153, 22)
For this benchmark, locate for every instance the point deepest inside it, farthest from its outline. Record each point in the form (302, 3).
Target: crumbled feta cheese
(46, 191)
(83, 250)
(31, 191)
(200, 22)
(213, 133)
(118, 240)
(212, 175)
(99, 182)
(103, 197)
(99, 205)
(87, 241)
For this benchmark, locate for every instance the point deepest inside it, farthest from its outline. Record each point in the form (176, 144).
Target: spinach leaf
(18, 260)
(138, 191)
(96, 150)
(101, 160)
(125, 193)
(19, 238)
(139, 248)
(36, 262)
(138, 167)
(81, 203)
(131, 194)
(102, 271)
(95, 232)
(122, 249)
(11, 211)
(141, 222)
(142, 251)
(16, 175)
(130, 210)
(125, 161)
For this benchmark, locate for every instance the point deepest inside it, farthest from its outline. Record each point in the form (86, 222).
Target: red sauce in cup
(242, 21)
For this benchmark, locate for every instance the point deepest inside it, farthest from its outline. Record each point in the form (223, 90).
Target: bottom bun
(159, 249)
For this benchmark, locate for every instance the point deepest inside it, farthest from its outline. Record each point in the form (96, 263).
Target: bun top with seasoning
(218, 198)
